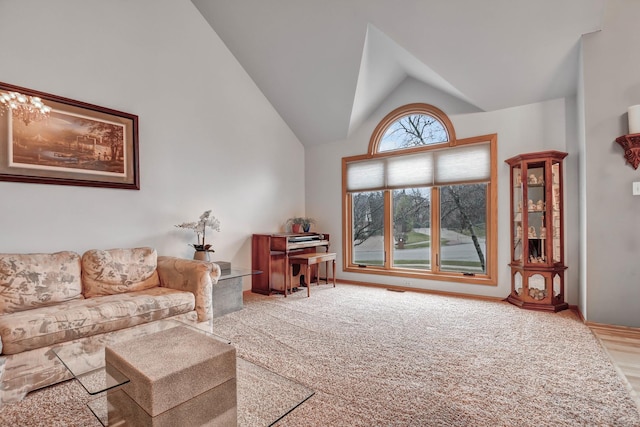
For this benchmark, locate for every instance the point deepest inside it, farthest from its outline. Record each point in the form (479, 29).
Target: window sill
(418, 274)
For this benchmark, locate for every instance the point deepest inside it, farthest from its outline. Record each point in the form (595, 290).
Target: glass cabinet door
(517, 214)
(536, 218)
(555, 213)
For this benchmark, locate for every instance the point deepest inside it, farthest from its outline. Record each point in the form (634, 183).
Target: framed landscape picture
(76, 144)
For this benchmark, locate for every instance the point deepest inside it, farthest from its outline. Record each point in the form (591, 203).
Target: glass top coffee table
(263, 397)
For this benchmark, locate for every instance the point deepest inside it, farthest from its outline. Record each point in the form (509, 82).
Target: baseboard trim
(425, 291)
(626, 331)
(578, 313)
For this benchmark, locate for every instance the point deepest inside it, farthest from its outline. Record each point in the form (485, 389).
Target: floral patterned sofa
(47, 300)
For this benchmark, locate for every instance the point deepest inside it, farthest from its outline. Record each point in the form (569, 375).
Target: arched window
(410, 126)
(421, 203)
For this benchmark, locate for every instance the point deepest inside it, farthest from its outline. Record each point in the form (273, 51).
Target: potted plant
(200, 228)
(300, 224)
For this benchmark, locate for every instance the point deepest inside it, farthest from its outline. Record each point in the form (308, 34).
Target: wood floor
(623, 346)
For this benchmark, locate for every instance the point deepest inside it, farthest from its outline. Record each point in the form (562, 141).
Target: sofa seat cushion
(77, 319)
(30, 281)
(114, 271)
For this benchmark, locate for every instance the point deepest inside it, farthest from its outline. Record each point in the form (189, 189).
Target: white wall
(611, 237)
(582, 190)
(573, 259)
(522, 129)
(208, 137)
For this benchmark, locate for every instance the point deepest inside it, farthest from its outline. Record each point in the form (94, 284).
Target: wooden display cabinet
(537, 231)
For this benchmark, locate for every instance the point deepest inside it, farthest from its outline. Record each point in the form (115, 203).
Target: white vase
(201, 256)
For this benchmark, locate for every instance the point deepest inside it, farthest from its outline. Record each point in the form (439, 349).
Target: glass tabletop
(237, 272)
(86, 362)
(263, 399)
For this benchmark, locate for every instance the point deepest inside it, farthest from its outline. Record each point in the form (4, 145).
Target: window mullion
(435, 230)
(388, 230)
(347, 229)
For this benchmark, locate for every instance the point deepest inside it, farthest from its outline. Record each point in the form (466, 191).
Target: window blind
(365, 175)
(434, 167)
(466, 163)
(409, 171)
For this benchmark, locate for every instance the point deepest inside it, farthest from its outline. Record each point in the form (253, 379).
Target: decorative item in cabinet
(537, 238)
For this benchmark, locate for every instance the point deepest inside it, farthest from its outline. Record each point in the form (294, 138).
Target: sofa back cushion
(36, 280)
(116, 271)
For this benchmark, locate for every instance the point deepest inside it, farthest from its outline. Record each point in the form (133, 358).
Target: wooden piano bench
(310, 259)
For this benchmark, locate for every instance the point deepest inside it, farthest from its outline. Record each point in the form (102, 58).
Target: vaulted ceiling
(325, 65)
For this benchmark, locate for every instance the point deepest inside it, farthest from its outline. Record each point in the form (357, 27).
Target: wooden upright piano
(270, 254)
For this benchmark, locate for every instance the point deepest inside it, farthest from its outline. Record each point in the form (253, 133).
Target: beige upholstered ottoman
(175, 374)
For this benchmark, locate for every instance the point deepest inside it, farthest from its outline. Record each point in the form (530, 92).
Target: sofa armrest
(197, 277)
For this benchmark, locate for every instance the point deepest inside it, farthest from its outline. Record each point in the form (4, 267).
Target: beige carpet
(381, 358)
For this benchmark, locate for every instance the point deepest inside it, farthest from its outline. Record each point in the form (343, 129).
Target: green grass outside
(481, 231)
(414, 237)
(420, 240)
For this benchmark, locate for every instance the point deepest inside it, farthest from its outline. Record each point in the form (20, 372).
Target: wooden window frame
(490, 277)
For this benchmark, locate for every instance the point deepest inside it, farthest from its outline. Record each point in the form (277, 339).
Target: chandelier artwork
(24, 107)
